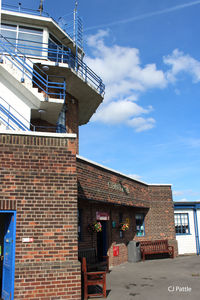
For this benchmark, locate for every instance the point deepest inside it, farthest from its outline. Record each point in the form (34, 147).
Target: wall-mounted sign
(27, 240)
(118, 187)
(115, 250)
(102, 216)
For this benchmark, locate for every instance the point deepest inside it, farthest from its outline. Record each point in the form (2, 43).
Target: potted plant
(95, 227)
(124, 226)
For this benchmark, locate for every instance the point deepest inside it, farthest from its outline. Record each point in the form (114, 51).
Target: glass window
(139, 220)
(9, 32)
(79, 224)
(55, 49)
(30, 40)
(120, 221)
(181, 223)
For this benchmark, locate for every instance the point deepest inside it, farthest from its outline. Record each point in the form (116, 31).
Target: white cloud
(182, 200)
(126, 79)
(119, 111)
(141, 124)
(178, 193)
(135, 176)
(179, 63)
(120, 68)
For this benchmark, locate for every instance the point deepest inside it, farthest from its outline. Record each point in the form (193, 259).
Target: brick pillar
(72, 117)
(39, 180)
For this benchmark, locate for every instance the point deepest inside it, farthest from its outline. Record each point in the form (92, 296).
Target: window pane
(139, 219)
(181, 223)
(30, 30)
(30, 44)
(9, 35)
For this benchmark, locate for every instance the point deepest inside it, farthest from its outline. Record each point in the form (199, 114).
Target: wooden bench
(156, 247)
(93, 263)
(93, 279)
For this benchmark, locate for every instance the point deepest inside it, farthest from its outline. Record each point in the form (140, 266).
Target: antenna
(75, 19)
(41, 7)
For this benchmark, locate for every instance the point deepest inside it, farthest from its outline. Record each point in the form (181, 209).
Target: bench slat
(154, 247)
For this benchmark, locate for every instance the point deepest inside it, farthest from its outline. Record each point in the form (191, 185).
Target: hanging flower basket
(124, 226)
(95, 227)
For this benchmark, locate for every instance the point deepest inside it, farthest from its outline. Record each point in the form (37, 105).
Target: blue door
(9, 258)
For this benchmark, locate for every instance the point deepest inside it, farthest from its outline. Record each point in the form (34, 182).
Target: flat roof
(39, 133)
(119, 173)
(47, 21)
(185, 203)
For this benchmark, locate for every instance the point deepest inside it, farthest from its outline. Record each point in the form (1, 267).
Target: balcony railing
(21, 9)
(58, 55)
(52, 86)
(75, 31)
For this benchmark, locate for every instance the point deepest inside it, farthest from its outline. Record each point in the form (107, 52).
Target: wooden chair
(92, 261)
(93, 279)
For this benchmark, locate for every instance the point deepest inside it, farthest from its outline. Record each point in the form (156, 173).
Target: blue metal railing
(21, 9)
(44, 82)
(58, 55)
(12, 119)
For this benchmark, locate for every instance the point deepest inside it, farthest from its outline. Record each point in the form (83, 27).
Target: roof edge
(117, 172)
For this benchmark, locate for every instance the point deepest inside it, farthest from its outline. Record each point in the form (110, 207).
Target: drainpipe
(196, 230)
(1, 58)
(61, 123)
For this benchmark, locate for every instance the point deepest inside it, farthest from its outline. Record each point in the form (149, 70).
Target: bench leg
(143, 256)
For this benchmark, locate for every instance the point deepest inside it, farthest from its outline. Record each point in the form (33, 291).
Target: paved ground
(159, 279)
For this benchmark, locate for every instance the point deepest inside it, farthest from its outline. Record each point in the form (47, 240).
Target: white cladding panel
(187, 242)
(17, 103)
(198, 222)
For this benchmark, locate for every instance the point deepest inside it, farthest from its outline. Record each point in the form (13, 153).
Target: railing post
(100, 87)
(47, 89)
(57, 56)
(64, 90)
(85, 73)
(23, 69)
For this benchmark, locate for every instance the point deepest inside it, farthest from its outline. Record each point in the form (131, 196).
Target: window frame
(143, 224)
(181, 221)
(39, 31)
(80, 227)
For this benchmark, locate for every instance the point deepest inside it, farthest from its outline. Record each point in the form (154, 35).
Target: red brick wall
(39, 180)
(72, 117)
(95, 194)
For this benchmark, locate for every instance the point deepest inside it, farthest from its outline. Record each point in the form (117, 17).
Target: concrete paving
(158, 279)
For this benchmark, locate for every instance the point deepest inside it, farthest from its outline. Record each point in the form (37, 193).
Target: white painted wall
(14, 98)
(198, 221)
(187, 243)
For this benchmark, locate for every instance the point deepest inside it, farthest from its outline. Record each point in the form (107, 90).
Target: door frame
(13, 213)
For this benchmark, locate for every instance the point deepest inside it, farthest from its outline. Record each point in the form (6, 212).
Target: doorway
(7, 254)
(102, 246)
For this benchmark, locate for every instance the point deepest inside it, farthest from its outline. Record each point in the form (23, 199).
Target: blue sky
(147, 53)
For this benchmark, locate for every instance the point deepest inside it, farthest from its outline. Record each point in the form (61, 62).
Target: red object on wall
(102, 216)
(115, 250)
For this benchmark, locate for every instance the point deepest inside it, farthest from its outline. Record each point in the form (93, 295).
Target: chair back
(84, 266)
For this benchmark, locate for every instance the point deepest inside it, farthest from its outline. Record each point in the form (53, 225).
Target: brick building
(113, 198)
(46, 93)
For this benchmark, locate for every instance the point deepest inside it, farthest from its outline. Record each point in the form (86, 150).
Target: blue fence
(11, 118)
(21, 9)
(52, 86)
(57, 54)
